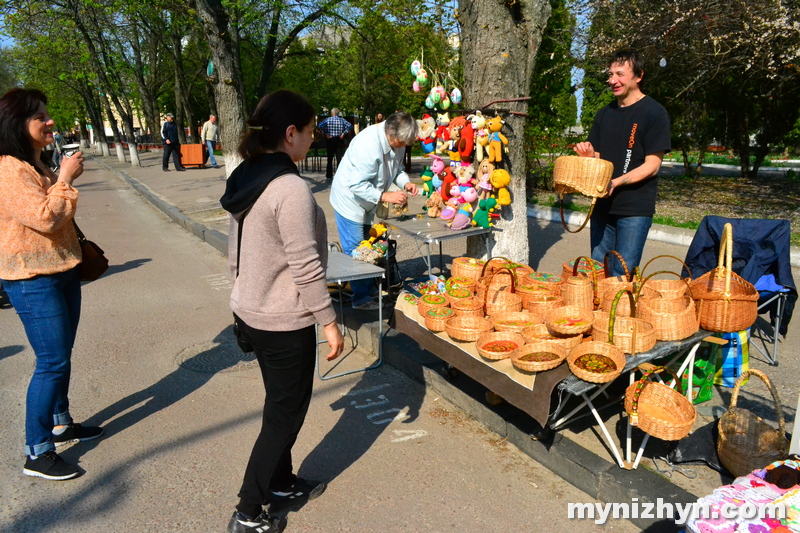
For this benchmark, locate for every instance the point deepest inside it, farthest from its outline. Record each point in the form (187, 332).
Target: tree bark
(500, 39)
(221, 34)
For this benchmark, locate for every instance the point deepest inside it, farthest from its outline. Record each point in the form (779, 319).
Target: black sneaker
(303, 489)
(77, 433)
(263, 523)
(50, 465)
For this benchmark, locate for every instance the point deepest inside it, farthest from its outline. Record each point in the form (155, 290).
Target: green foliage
(8, 77)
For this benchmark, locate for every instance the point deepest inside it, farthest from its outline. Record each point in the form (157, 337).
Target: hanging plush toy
(484, 214)
(448, 180)
(442, 133)
(479, 127)
(496, 139)
(464, 176)
(500, 180)
(427, 134)
(456, 125)
(484, 177)
(466, 143)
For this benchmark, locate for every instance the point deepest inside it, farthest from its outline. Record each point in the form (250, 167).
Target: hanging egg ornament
(422, 77)
(435, 96)
(445, 103)
(415, 66)
(455, 96)
(440, 91)
(416, 87)
(429, 103)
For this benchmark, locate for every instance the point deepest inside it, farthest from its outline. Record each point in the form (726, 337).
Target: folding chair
(761, 255)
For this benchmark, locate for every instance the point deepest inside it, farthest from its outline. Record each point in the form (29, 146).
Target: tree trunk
(499, 44)
(221, 34)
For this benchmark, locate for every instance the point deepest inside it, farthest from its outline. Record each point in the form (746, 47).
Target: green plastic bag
(705, 366)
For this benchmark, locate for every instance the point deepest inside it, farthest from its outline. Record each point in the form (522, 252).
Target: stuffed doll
(442, 132)
(456, 125)
(466, 143)
(462, 218)
(500, 180)
(427, 178)
(496, 139)
(479, 127)
(483, 178)
(452, 205)
(427, 134)
(448, 180)
(434, 205)
(483, 215)
(464, 176)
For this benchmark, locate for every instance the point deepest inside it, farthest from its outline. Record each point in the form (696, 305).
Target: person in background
(373, 161)
(58, 142)
(210, 136)
(378, 118)
(39, 257)
(632, 132)
(172, 144)
(278, 266)
(334, 128)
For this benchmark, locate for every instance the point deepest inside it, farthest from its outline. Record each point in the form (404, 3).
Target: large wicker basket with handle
(579, 290)
(468, 267)
(585, 175)
(658, 410)
(632, 335)
(673, 318)
(726, 301)
(746, 442)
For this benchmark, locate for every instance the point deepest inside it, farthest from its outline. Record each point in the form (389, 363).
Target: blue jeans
(626, 235)
(50, 308)
(350, 236)
(210, 146)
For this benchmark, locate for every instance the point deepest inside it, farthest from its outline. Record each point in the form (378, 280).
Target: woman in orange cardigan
(39, 254)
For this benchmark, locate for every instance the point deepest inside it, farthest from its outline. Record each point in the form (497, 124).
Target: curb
(599, 478)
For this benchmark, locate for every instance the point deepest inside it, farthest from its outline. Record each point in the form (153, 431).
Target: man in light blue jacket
(373, 161)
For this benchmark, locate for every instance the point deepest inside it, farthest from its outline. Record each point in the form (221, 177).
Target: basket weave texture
(429, 301)
(746, 442)
(726, 301)
(502, 302)
(516, 321)
(673, 319)
(436, 318)
(659, 410)
(498, 336)
(630, 334)
(468, 307)
(569, 320)
(467, 328)
(585, 175)
(538, 366)
(468, 267)
(540, 333)
(599, 348)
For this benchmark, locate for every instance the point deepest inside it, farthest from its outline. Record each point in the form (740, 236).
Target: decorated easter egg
(415, 66)
(440, 91)
(455, 96)
(435, 97)
(416, 87)
(445, 103)
(422, 77)
(429, 102)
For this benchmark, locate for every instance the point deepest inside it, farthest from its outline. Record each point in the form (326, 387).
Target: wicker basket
(746, 442)
(429, 301)
(461, 282)
(624, 306)
(532, 292)
(468, 307)
(541, 305)
(467, 267)
(598, 348)
(673, 319)
(502, 302)
(630, 334)
(726, 301)
(456, 294)
(542, 279)
(668, 288)
(659, 410)
(540, 333)
(519, 362)
(585, 175)
(580, 290)
(515, 322)
(501, 337)
(467, 328)
(584, 268)
(569, 320)
(436, 318)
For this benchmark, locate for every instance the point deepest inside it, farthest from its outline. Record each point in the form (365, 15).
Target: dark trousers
(287, 361)
(335, 147)
(175, 150)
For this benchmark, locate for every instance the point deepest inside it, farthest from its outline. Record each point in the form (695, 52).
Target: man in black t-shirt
(633, 133)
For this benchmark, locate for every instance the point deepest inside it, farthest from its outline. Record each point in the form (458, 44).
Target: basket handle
(645, 280)
(775, 398)
(640, 385)
(725, 264)
(489, 282)
(486, 264)
(612, 315)
(628, 275)
(585, 221)
(689, 270)
(593, 267)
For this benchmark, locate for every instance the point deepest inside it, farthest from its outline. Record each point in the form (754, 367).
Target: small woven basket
(526, 357)
(515, 322)
(658, 410)
(468, 307)
(726, 301)
(540, 333)
(585, 175)
(500, 339)
(584, 268)
(569, 320)
(668, 288)
(611, 283)
(429, 301)
(436, 318)
(673, 318)
(460, 282)
(596, 348)
(630, 334)
(467, 328)
(580, 290)
(745, 441)
(533, 292)
(467, 267)
(543, 279)
(541, 305)
(455, 294)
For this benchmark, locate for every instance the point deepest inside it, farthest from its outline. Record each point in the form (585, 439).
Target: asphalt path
(155, 365)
